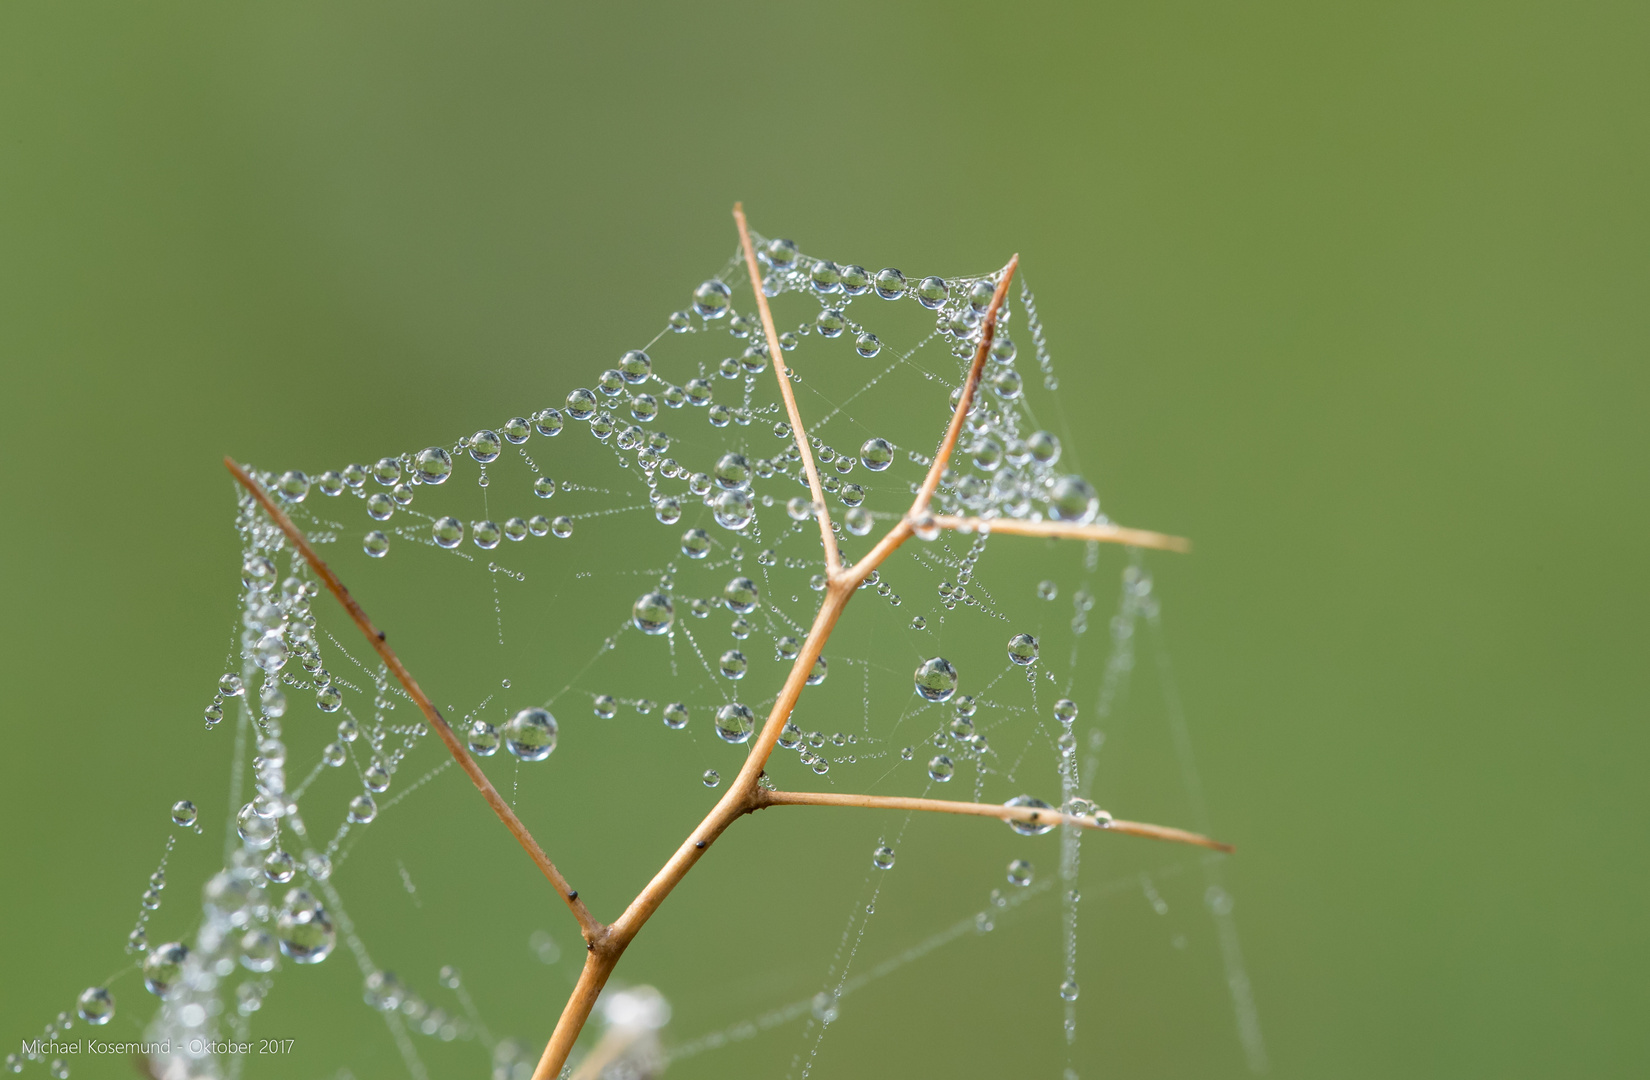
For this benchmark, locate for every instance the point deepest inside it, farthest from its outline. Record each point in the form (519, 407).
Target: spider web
(649, 562)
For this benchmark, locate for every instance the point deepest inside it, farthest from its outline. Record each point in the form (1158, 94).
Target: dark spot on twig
(700, 845)
(574, 895)
(380, 635)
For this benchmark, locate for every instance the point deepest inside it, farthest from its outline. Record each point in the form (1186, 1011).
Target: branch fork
(606, 943)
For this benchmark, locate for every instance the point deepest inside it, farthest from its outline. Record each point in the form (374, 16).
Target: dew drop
(712, 778)
(1044, 822)
(1022, 649)
(883, 857)
(734, 723)
(1019, 873)
(653, 613)
(433, 465)
(163, 966)
(304, 930)
(531, 734)
(483, 738)
(936, 679)
(362, 809)
(940, 768)
(184, 813)
(733, 664)
(1047, 590)
(375, 543)
(95, 1005)
(676, 716)
(876, 454)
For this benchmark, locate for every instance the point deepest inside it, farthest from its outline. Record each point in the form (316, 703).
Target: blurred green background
(1353, 295)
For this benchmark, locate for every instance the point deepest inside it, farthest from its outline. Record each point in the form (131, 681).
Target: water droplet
(890, 283)
(1072, 499)
(334, 754)
(734, 664)
(931, 292)
(635, 366)
(279, 867)
(485, 534)
(734, 509)
(1019, 872)
(485, 445)
(256, 831)
(1047, 590)
(270, 652)
(676, 715)
(362, 809)
(184, 813)
(1069, 990)
(883, 857)
(1043, 447)
(734, 723)
(1022, 649)
(433, 465)
(327, 698)
(817, 675)
(303, 929)
(292, 486)
(531, 734)
(780, 254)
(483, 738)
(162, 967)
(711, 299)
(548, 421)
(231, 686)
(712, 778)
(376, 777)
(95, 1005)
(936, 679)
(604, 706)
(653, 613)
(867, 344)
(1043, 822)
(741, 595)
(258, 950)
(375, 543)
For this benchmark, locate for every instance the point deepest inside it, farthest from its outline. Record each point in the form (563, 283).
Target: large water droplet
(1019, 872)
(1072, 499)
(652, 613)
(303, 928)
(1043, 822)
(940, 768)
(1022, 649)
(936, 679)
(883, 857)
(734, 723)
(184, 813)
(741, 595)
(433, 465)
(162, 967)
(95, 1005)
(531, 734)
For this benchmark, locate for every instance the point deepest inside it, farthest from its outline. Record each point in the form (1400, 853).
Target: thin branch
(745, 794)
(971, 386)
(833, 559)
(902, 529)
(1105, 534)
(1027, 815)
(588, 925)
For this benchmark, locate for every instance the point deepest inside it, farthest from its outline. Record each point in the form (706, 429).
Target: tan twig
(1105, 534)
(588, 925)
(833, 560)
(745, 794)
(1029, 815)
